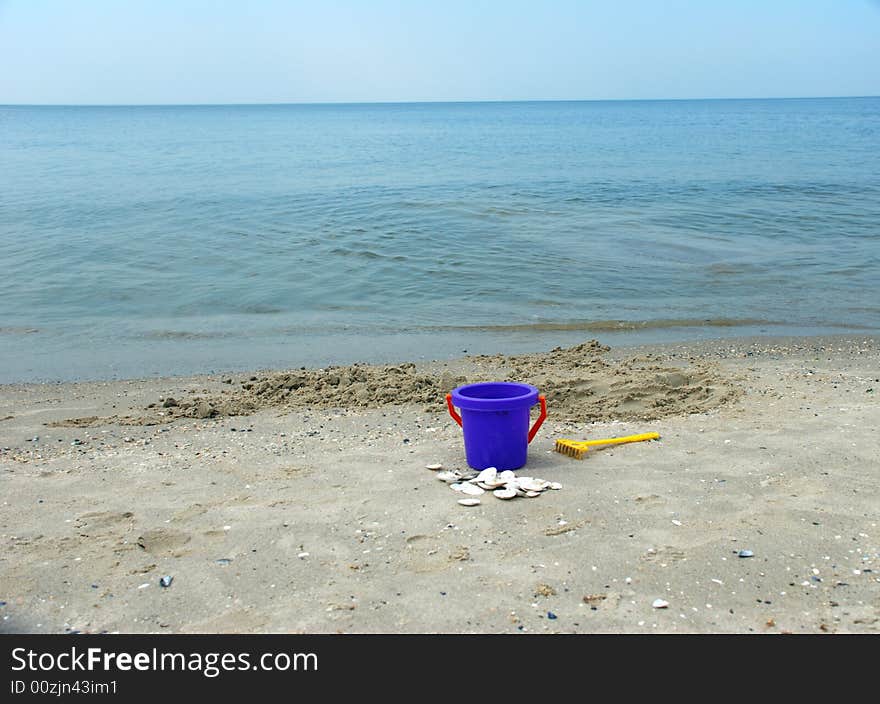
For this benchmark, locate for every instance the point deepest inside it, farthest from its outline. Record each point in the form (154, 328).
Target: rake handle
(620, 441)
(583, 444)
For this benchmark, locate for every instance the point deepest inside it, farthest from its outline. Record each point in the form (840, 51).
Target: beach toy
(578, 448)
(495, 422)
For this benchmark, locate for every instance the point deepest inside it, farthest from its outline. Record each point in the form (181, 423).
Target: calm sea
(156, 240)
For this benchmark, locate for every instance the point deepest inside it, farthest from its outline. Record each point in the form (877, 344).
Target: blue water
(159, 240)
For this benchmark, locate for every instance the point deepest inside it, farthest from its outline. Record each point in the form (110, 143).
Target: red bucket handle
(541, 418)
(455, 416)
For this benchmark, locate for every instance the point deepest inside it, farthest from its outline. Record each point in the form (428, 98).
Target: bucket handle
(541, 418)
(455, 416)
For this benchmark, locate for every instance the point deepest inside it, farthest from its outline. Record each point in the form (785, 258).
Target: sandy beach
(299, 501)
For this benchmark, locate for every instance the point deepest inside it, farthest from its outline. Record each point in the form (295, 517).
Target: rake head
(572, 448)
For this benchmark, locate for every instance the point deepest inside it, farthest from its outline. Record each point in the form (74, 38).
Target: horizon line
(431, 101)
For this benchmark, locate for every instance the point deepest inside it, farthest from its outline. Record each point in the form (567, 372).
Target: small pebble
(746, 553)
(660, 604)
(166, 581)
(551, 615)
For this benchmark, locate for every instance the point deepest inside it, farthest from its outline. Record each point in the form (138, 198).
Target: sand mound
(579, 382)
(581, 385)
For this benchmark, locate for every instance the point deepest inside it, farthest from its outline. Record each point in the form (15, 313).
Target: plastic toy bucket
(495, 421)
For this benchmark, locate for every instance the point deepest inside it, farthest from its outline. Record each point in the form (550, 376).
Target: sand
(299, 501)
(579, 382)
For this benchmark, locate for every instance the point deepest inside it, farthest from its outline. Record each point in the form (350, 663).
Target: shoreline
(692, 347)
(316, 518)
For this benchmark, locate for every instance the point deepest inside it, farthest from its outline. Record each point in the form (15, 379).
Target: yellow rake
(578, 448)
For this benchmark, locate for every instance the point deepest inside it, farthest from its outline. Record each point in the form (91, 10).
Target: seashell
(533, 494)
(501, 478)
(487, 475)
(457, 486)
(470, 489)
(448, 476)
(485, 486)
(469, 502)
(531, 484)
(505, 493)
(746, 553)
(434, 467)
(556, 486)
(660, 604)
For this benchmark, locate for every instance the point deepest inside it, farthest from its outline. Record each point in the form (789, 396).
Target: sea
(163, 240)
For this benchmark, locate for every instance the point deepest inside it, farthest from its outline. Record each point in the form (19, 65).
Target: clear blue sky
(252, 51)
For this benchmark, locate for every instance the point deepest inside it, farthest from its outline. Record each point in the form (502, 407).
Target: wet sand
(314, 512)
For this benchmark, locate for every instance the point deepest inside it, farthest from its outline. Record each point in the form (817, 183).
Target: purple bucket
(495, 421)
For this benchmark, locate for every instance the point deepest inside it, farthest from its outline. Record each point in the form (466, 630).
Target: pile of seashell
(504, 485)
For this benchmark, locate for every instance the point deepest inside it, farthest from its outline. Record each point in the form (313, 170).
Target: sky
(288, 51)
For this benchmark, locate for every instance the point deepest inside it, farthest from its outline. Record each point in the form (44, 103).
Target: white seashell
(485, 486)
(470, 489)
(448, 476)
(506, 476)
(505, 493)
(457, 486)
(533, 494)
(469, 502)
(555, 486)
(487, 475)
(434, 467)
(660, 604)
(530, 484)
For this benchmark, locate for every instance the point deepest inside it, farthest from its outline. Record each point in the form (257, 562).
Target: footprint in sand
(426, 553)
(104, 522)
(666, 553)
(187, 514)
(164, 542)
(646, 499)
